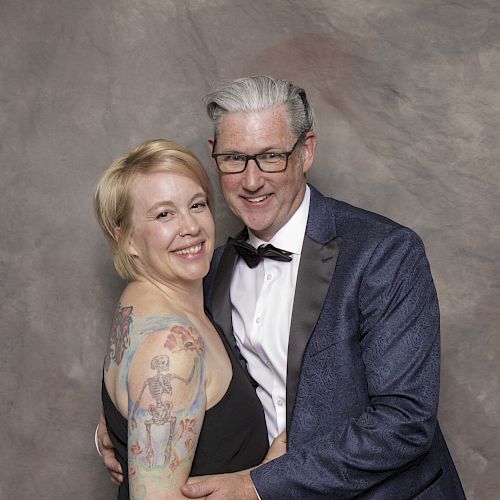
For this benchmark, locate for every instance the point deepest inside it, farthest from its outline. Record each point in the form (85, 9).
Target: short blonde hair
(112, 201)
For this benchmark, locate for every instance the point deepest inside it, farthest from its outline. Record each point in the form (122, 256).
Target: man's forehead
(267, 125)
(278, 112)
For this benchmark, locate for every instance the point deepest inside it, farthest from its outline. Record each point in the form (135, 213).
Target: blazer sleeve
(399, 338)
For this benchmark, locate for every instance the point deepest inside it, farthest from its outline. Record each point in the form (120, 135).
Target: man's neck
(294, 228)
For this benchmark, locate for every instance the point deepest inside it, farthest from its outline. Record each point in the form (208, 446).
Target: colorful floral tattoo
(119, 338)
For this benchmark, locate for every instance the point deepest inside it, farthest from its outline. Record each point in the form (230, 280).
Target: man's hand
(277, 449)
(235, 486)
(108, 453)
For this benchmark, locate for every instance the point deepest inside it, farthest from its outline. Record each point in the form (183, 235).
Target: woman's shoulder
(144, 298)
(166, 332)
(154, 330)
(149, 312)
(141, 343)
(143, 329)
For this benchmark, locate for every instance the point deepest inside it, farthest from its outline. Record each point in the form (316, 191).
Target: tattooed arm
(167, 402)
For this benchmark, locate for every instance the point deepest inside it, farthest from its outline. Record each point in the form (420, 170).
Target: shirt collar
(291, 236)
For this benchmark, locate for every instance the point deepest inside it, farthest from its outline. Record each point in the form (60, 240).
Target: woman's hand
(278, 448)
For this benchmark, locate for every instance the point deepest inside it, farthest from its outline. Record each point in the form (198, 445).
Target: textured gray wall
(408, 107)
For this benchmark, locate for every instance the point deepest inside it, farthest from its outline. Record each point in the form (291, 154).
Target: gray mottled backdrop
(408, 109)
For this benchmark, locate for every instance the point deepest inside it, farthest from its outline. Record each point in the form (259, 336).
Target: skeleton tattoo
(160, 389)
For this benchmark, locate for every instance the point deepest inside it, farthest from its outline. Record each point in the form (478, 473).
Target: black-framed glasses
(270, 162)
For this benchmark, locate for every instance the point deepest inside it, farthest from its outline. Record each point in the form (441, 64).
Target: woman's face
(173, 229)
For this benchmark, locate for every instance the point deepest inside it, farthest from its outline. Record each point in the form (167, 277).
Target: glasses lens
(231, 163)
(272, 162)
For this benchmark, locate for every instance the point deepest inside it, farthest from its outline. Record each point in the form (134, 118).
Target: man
(341, 334)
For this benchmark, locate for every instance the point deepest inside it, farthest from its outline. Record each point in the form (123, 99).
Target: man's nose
(252, 176)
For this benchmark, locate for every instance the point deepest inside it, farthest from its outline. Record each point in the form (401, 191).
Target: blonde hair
(112, 201)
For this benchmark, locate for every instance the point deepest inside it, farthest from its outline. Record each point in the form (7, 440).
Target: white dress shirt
(262, 303)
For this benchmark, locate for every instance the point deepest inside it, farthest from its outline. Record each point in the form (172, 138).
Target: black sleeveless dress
(233, 436)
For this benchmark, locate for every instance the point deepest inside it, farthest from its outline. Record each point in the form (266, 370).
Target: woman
(176, 400)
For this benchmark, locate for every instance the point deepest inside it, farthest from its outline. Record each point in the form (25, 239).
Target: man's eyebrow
(263, 150)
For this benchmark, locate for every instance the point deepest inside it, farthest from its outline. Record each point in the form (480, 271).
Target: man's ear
(308, 151)
(211, 141)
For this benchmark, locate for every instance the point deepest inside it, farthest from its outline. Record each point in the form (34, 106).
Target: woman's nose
(188, 225)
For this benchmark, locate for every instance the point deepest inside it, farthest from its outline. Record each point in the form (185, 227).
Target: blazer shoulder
(351, 217)
(361, 223)
(353, 224)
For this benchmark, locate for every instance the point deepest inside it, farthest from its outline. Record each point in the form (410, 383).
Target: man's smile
(256, 199)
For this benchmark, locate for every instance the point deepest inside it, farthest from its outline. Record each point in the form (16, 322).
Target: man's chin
(263, 232)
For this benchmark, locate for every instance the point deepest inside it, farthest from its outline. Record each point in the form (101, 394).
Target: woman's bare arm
(166, 407)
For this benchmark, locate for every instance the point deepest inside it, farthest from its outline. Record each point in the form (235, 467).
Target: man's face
(264, 202)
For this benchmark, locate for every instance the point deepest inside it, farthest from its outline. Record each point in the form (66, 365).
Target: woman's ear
(131, 250)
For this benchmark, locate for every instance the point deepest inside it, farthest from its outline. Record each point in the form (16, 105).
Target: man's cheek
(229, 191)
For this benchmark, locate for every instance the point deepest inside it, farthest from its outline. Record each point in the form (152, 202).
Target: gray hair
(256, 93)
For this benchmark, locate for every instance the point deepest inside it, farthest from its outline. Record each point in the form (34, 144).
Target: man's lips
(256, 199)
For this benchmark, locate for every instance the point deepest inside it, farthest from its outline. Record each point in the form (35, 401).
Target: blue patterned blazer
(363, 364)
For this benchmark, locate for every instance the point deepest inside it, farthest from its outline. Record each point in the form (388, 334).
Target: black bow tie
(252, 256)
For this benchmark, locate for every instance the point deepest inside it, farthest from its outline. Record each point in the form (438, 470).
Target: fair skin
(165, 363)
(171, 213)
(264, 202)
(172, 241)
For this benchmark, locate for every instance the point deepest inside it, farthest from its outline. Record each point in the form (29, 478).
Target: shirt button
(269, 277)
(257, 320)
(280, 402)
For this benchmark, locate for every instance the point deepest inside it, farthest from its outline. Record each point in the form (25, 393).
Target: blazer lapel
(317, 265)
(221, 299)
